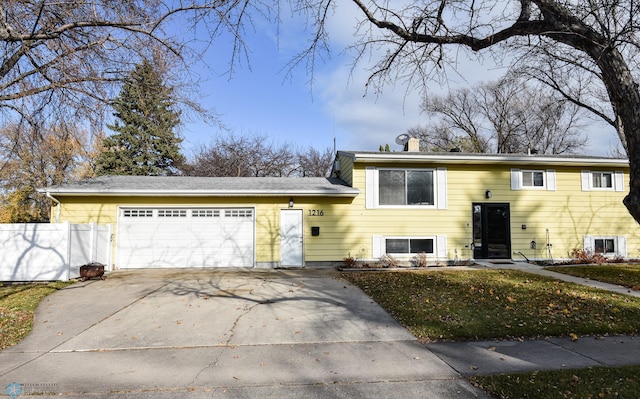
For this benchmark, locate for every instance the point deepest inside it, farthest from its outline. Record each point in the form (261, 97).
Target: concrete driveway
(223, 333)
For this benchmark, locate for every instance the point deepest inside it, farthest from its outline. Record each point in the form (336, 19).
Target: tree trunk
(625, 99)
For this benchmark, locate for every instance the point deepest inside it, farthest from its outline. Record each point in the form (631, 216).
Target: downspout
(52, 198)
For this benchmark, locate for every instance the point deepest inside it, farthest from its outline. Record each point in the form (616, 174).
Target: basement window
(409, 245)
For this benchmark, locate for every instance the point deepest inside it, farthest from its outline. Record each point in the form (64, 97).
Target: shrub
(387, 260)
(419, 260)
(584, 256)
(350, 261)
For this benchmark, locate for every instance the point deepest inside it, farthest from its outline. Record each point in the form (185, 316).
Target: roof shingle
(206, 186)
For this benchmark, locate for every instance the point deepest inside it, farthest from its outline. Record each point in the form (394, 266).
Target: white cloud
(363, 120)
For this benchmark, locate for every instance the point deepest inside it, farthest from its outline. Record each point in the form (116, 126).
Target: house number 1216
(316, 212)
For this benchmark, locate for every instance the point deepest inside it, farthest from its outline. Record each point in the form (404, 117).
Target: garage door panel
(211, 238)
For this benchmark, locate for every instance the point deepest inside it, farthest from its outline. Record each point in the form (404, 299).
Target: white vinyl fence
(48, 252)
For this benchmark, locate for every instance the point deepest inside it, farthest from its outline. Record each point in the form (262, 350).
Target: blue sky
(260, 99)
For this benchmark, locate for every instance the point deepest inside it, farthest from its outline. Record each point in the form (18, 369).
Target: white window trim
(586, 177)
(372, 198)
(619, 242)
(549, 180)
(439, 246)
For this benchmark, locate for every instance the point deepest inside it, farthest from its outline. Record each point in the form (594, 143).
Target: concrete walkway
(263, 333)
(218, 333)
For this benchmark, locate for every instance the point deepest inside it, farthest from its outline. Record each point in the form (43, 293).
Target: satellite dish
(402, 139)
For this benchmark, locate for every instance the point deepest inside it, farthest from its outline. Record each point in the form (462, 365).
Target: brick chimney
(413, 145)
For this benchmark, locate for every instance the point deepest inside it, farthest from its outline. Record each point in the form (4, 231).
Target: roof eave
(227, 193)
(476, 159)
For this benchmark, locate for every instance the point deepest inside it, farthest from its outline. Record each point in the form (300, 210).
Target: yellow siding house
(440, 207)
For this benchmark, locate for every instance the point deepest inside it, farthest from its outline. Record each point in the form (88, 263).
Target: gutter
(52, 198)
(457, 158)
(352, 193)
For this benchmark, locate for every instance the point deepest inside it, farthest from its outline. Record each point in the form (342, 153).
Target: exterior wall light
(487, 194)
(291, 202)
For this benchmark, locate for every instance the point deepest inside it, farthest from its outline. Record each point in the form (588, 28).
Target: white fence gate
(48, 252)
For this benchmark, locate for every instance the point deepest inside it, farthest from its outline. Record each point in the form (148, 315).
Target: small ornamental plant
(420, 260)
(582, 256)
(388, 261)
(349, 261)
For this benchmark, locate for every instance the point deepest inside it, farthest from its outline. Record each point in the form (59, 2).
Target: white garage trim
(165, 237)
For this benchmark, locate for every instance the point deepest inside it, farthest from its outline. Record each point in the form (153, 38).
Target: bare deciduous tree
(314, 163)
(243, 156)
(76, 52)
(598, 38)
(502, 117)
(255, 156)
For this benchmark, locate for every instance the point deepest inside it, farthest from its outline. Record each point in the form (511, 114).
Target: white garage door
(185, 237)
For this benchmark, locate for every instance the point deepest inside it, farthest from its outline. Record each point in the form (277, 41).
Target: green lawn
(461, 305)
(626, 275)
(472, 305)
(597, 382)
(18, 303)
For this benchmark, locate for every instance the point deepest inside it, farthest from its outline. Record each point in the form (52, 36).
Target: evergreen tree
(145, 142)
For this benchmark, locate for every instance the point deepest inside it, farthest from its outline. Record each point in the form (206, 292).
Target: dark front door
(491, 233)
